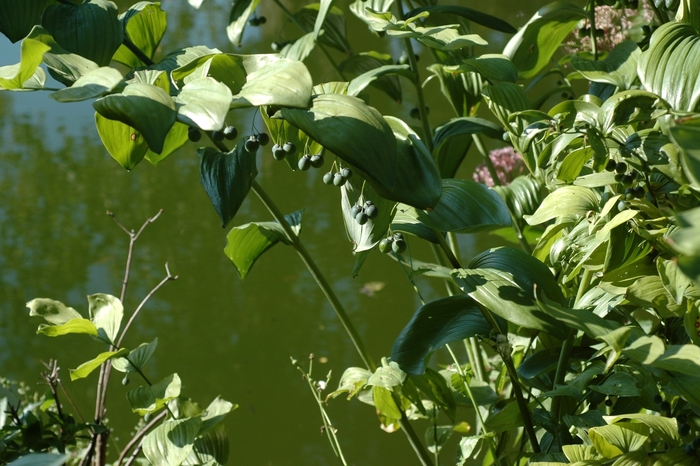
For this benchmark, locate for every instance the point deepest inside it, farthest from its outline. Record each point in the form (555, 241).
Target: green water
(222, 336)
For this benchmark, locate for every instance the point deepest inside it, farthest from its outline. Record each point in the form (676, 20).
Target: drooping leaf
(54, 312)
(145, 107)
(451, 141)
(144, 24)
(106, 312)
(365, 63)
(215, 413)
(245, 243)
(18, 17)
(40, 459)
(136, 358)
(149, 399)
(26, 74)
(492, 67)
(281, 82)
(227, 178)
(212, 447)
(434, 325)
(126, 145)
(171, 442)
(630, 106)
(77, 325)
(612, 441)
(204, 104)
(364, 237)
(533, 46)
(64, 66)
(91, 29)
(475, 16)
(618, 68)
(465, 206)
(95, 83)
(334, 29)
(670, 66)
(462, 90)
(176, 138)
(300, 48)
(359, 83)
(238, 18)
(523, 196)
(666, 427)
(505, 99)
(565, 201)
(87, 367)
(324, 6)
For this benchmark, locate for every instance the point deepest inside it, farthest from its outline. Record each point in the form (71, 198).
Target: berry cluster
(257, 20)
(307, 161)
(627, 179)
(279, 152)
(229, 132)
(395, 243)
(362, 213)
(337, 178)
(255, 141)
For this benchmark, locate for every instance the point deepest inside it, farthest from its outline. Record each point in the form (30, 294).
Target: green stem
(450, 285)
(427, 134)
(447, 250)
(320, 46)
(413, 439)
(594, 40)
(137, 51)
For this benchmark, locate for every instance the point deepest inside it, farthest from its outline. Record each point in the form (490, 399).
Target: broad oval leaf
(505, 99)
(77, 325)
(354, 131)
(451, 141)
(203, 103)
(492, 67)
(148, 399)
(176, 138)
(365, 63)
(300, 48)
(126, 145)
(227, 178)
(106, 312)
(144, 24)
(281, 82)
(670, 67)
(26, 74)
(136, 359)
(215, 412)
(533, 46)
(145, 107)
(86, 368)
(465, 206)
(64, 66)
(18, 17)
(223, 67)
(434, 325)
(54, 312)
(618, 384)
(91, 29)
(564, 202)
(95, 83)
(614, 440)
(245, 243)
(630, 106)
(170, 443)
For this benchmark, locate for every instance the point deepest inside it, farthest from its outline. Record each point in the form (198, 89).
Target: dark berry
(657, 399)
(385, 245)
(278, 153)
(415, 113)
(356, 209)
(664, 406)
(217, 136)
(696, 443)
(193, 134)
(398, 246)
(254, 22)
(339, 180)
(262, 20)
(304, 163)
(252, 144)
(611, 165)
(328, 178)
(372, 211)
(683, 429)
(621, 167)
(317, 160)
(361, 218)
(608, 402)
(619, 177)
(347, 173)
(689, 450)
(230, 133)
(263, 139)
(289, 148)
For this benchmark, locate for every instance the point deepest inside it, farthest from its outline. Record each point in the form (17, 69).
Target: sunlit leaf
(300, 48)
(204, 104)
(359, 83)
(106, 311)
(64, 66)
(324, 6)
(95, 83)
(388, 376)
(20, 76)
(227, 178)
(614, 440)
(148, 399)
(238, 18)
(55, 312)
(87, 367)
(580, 319)
(40, 459)
(171, 442)
(505, 99)
(618, 68)
(630, 106)
(334, 29)
(145, 24)
(126, 145)
(91, 29)
(366, 63)
(434, 325)
(492, 67)
(212, 447)
(355, 193)
(564, 202)
(351, 382)
(662, 425)
(77, 325)
(176, 138)
(215, 412)
(282, 82)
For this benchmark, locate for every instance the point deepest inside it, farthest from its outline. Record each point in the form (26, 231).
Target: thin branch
(139, 435)
(137, 51)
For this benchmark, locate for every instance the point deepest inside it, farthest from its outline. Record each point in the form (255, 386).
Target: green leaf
(18, 17)
(618, 384)
(628, 107)
(505, 99)
(365, 62)
(649, 291)
(136, 359)
(352, 381)
(94, 83)
(618, 68)
(687, 387)
(300, 48)
(670, 67)
(433, 385)
(40, 459)
(54, 312)
(245, 243)
(87, 367)
(686, 138)
(324, 6)
(126, 145)
(203, 103)
(354, 131)
(226, 68)
(238, 18)
(452, 140)
(171, 442)
(106, 312)
(176, 138)
(364, 237)
(475, 16)
(281, 82)
(26, 74)
(666, 427)
(145, 24)
(645, 349)
(64, 66)
(434, 325)
(492, 67)
(361, 9)
(227, 178)
(148, 399)
(77, 325)
(566, 201)
(388, 376)
(533, 46)
(281, 132)
(210, 448)
(506, 419)
(465, 207)
(436, 437)
(145, 107)
(215, 412)
(674, 281)
(499, 292)
(579, 319)
(406, 223)
(684, 359)
(462, 90)
(384, 402)
(358, 84)
(334, 29)
(523, 196)
(91, 29)
(612, 441)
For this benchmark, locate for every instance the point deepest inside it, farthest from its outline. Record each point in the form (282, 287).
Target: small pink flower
(508, 164)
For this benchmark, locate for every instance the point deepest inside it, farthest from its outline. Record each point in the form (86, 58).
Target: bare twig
(139, 435)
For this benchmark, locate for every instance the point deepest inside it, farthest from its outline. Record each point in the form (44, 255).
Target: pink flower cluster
(508, 164)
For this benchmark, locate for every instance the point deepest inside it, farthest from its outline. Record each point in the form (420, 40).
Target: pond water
(223, 336)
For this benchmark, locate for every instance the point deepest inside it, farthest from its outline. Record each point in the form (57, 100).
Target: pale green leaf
(86, 368)
(282, 82)
(18, 76)
(566, 201)
(145, 24)
(55, 312)
(126, 145)
(618, 68)
(171, 442)
(77, 325)
(106, 312)
(95, 83)
(204, 104)
(148, 399)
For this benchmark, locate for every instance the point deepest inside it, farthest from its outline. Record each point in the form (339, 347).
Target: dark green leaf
(618, 68)
(358, 84)
(18, 17)
(176, 138)
(149, 399)
(506, 419)
(451, 141)
(145, 25)
(475, 16)
(578, 319)
(227, 178)
(462, 90)
(95, 83)
(505, 99)
(630, 106)
(91, 29)
(136, 359)
(492, 67)
(247, 242)
(210, 448)
(64, 66)
(434, 325)
(365, 64)
(618, 384)
(433, 385)
(523, 196)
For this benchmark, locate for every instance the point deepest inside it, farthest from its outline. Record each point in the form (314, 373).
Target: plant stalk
(594, 40)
